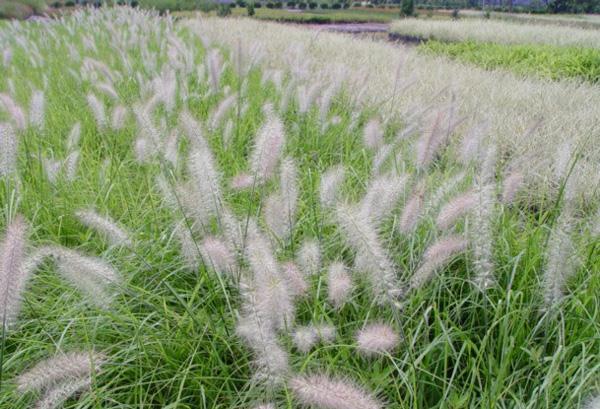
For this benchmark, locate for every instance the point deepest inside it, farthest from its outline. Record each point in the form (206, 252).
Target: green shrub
(241, 3)
(257, 5)
(324, 6)
(291, 4)
(312, 5)
(223, 10)
(302, 6)
(336, 6)
(250, 9)
(70, 3)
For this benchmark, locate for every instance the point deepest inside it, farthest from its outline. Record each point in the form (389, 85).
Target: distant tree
(250, 8)
(574, 6)
(407, 8)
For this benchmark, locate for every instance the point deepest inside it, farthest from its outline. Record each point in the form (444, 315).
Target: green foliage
(177, 5)
(574, 6)
(541, 60)
(407, 8)
(223, 10)
(250, 8)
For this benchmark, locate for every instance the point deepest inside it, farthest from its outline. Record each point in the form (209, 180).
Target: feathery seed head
(382, 196)
(437, 255)
(456, 208)
(339, 284)
(268, 146)
(561, 261)
(189, 249)
(13, 274)
(305, 338)
(37, 109)
(511, 186)
(9, 145)
(92, 276)
(60, 368)
(15, 112)
(119, 117)
(412, 209)
(216, 254)
(373, 134)
(56, 396)
(325, 392)
(295, 279)
(242, 181)
(115, 234)
(330, 185)
(309, 257)
(222, 109)
(98, 110)
(593, 403)
(376, 339)
(74, 136)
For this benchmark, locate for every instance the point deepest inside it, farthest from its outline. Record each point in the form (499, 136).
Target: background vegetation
(541, 60)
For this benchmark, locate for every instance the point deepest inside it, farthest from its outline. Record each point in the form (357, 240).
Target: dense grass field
(498, 32)
(227, 213)
(591, 21)
(546, 51)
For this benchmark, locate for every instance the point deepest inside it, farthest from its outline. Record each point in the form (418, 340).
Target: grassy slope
(169, 332)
